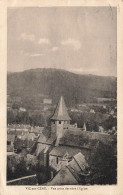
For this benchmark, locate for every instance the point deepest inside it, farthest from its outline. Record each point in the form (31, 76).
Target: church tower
(60, 121)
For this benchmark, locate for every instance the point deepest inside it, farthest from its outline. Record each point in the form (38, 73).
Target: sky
(78, 39)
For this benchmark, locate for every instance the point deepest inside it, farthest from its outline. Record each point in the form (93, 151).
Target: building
(61, 155)
(72, 173)
(47, 101)
(66, 138)
(60, 121)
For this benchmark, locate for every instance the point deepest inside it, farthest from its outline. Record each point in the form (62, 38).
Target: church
(65, 140)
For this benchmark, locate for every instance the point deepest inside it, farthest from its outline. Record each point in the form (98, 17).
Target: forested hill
(54, 83)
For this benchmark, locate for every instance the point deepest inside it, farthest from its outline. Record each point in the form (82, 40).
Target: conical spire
(61, 111)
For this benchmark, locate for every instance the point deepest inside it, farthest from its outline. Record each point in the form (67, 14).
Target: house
(60, 155)
(79, 163)
(44, 146)
(26, 142)
(63, 177)
(47, 101)
(72, 173)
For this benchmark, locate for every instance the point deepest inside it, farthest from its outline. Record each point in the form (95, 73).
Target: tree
(10, 117)
(15, 106)
(103, 165)
(43, 174)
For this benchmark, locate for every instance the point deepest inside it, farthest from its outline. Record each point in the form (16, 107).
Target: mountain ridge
(76, 88)
(54, 69)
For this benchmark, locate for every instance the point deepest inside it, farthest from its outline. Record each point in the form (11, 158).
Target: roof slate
(80, 159)
(62, 150)
(61, 111)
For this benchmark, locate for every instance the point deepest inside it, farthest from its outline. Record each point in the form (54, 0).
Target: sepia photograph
(61, 96)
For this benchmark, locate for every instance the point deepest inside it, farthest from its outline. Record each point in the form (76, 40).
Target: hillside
(54, 83)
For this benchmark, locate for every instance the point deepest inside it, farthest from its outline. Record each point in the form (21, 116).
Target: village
(63, 151)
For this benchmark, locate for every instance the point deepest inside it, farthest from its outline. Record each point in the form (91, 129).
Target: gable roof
(74, 140)
(80, 159)
(61, 111)
(42, 139)
(62, 150)
(84, 139)
(63, 177)
(51, 140)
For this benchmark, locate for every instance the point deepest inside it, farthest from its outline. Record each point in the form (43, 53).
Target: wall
(53, 161)
(59, 129)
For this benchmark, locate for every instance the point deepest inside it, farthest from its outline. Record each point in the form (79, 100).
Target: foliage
(54, 83)
(103, 165)
(24, 118)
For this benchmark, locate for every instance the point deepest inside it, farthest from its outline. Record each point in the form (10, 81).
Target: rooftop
(62, 150)
(80, 159)
(84, 139)
(61, 111)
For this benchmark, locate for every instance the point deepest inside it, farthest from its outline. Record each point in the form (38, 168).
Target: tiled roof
(63, 177)
(51, 140)
(42, 139)
(62, 150)
(74, 173)
(40, 148)
(84, 139)
(19, 143)
(61, 111)
(74, 140)
(80, 159)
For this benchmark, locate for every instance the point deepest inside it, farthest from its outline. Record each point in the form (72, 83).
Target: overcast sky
(78, 39)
